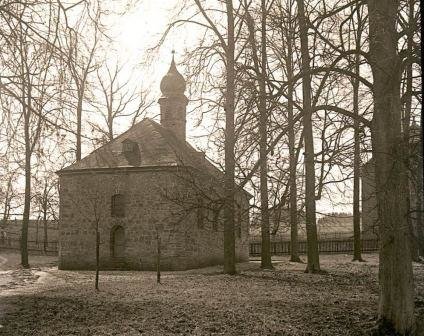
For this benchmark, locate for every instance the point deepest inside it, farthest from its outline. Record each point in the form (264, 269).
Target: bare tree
(313, 265)
(80, 44)
(407, 18)
(118, 99)
(8, 194)
(46, 198)
(288, 28)
(396, 300)
(30, 86)
(225, 45)
(261, 70)
(357, 249)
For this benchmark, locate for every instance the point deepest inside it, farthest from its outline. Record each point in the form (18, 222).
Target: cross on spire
(173, 57)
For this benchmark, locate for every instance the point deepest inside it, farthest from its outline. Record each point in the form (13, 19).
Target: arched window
(117, 242)
(118, 206)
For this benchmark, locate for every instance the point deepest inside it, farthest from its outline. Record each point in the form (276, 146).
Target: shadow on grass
(209, 310)
(61, 315)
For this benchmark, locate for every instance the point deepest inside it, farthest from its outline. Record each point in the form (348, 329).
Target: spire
(173, 66)
(173, 83)
(173, 102)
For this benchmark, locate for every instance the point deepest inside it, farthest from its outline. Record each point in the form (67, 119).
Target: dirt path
(14, 280)
(12, 275)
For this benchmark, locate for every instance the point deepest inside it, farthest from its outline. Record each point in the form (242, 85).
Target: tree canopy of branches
(294, 95)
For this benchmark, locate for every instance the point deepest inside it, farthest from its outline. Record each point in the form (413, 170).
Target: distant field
(11, 259)
(284, 302)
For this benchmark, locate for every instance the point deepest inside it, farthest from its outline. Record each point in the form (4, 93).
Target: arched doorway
(117, 242)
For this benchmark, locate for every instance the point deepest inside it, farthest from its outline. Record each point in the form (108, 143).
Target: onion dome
(173, 83)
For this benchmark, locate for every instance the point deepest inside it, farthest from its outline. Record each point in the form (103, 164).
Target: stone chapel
(146, 188)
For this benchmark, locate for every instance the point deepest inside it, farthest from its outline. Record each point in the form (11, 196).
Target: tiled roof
(157, 146)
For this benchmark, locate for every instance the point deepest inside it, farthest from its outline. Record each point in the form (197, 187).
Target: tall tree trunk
(158, 242)
(406, 120)
(44, 206)
(263, 120)
(27, 197)
(37, 224)
(6, 203)
(294, 244)
(396, 300)
(357, 248)
(45, 234)
(229, 236)
(97, 257)
(79, 122)
(110, 117)
(313, 265)
(260, 68)
(420, 194)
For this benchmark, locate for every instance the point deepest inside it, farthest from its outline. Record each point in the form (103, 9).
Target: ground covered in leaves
(285, 301)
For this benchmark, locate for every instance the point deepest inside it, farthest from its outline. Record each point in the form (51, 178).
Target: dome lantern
(173, 102)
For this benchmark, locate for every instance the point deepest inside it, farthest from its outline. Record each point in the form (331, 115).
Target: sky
(140, 29)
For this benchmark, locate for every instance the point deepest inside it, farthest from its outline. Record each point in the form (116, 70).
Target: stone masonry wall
(85, 199)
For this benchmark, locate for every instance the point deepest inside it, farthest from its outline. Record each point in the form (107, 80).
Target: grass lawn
(285, 301)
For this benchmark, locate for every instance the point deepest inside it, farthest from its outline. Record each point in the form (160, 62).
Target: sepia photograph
(211, 167)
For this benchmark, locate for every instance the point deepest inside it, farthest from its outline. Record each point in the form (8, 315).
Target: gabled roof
(157, 147)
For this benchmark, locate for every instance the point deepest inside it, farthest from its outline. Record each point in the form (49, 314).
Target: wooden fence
(277, 248)
(324, 246)
(15, 244)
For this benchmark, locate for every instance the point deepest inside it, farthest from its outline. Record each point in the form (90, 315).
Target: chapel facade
(145, 190)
